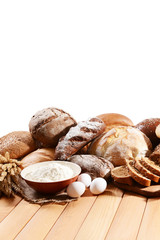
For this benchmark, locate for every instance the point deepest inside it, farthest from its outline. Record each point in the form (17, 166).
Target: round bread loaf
(148, 127)
(121, 143)
(114, 119)
(49, 124)
(40, 155)
(18, 144)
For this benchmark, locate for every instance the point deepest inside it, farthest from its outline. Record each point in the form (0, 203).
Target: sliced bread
(150, 165)
(136, 175)
(145, 172)
(121, 174)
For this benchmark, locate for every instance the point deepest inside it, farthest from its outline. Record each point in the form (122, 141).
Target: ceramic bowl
(54, 186)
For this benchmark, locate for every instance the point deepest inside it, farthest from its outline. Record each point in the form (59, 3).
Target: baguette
(136, 175)
(77, 137)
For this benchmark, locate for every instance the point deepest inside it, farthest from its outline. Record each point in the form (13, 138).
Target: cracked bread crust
(78, 136)
(49, 125)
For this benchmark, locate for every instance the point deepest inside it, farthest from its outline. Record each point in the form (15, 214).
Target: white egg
(85, 178)
(98, 185)
(76, 189)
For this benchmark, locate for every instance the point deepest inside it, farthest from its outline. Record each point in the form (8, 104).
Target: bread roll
(40, 155)
(121, 143)
(18, 144)
(148, 127)
(114, 119)
(49, 124)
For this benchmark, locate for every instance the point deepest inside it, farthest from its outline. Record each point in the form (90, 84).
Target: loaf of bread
(148, 127)
(114, 119)
(121, 143)
(18, 144)
(121, 175)
(40, 155)
(77, 137)
(49, 125)
(93, 165)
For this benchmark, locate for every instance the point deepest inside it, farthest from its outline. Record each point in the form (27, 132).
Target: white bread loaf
(121, 143)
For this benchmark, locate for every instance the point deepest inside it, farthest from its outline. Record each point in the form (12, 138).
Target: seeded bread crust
(145, 172)
(150, 165)
(121, 175)
(136, 175)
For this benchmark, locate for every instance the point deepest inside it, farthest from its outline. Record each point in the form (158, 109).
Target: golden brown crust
(122, 175)
(115, 119)
(145, 172)
(40, 155)
(18, 144)
(136, 175)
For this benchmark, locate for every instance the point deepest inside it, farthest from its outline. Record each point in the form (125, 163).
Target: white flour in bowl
(49, 173)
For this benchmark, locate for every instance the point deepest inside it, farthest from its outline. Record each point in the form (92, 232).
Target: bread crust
(136, 175)
(121, 175)
(17, 143)
(48, 125)
(77, 137)
(148, 127)
(114, 119)
(119, 144)
(93, 165)
(40, 155)
(150, 165)
(145, 172)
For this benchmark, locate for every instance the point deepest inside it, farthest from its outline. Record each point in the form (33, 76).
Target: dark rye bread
(77, 137)
(136, 175)
(147, 173)
(150, 165)
(155, 155)
(48, 125)
(121, 175)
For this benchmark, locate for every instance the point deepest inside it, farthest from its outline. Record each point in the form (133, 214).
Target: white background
(86, 57)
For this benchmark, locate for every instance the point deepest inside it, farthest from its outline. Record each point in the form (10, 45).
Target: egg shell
(76, 189)
(85, 178)
(98, 185)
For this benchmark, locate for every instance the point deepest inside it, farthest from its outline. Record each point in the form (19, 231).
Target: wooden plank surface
(124, 225)
(109, 216)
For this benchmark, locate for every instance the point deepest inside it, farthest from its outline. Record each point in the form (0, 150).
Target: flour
(49, 173)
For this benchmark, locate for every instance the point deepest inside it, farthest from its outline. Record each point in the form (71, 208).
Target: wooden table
(114, 215)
